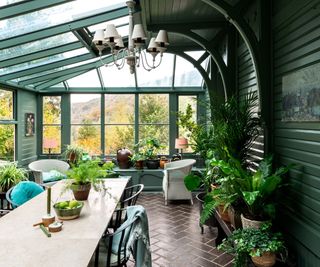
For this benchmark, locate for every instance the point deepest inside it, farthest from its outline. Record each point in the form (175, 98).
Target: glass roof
(38, 45)
(43, 61)
(52, 59)
(52, 16)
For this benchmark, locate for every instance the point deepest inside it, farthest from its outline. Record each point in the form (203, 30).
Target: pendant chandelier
(134, 55)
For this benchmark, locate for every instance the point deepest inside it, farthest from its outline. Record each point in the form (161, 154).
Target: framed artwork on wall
(301, 95)
(30, 124)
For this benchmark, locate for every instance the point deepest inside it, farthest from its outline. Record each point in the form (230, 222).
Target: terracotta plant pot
(162, 162)
(267, 259)
(139, 164)
(235, 217)
(81, 192)
(248, 223)
(223, 213)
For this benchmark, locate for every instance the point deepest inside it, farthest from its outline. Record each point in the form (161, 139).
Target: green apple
(63, 205)
(73, 204)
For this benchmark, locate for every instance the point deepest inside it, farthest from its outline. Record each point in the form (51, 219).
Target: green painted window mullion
(173, 129)
(103, 130)
(136, 119)
(65, 120)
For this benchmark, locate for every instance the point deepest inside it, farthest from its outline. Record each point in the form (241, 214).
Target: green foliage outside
(6, 130)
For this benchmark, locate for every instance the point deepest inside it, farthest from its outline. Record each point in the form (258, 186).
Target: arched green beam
(224, 72)
(198, 66)
(260, 58)
(234, 17)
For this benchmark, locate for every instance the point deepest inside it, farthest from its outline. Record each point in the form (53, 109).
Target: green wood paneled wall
(26, 147)
(296, 42)
(247, 82)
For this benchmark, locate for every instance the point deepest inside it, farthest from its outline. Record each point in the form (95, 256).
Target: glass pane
(51, 142)
(117, 22)
(9, 2)
(112, 77)
(6, 104)
(118, 136)
(38, 45)
(7, 142)
(119, 109)
(43, 61)
(153, 108)
(159, 77)
(195, 54)
(59, 85)
(184, 100)
(55, 15)
(158, 132)
(51, 110)
(85, 108)
(88, 79)
(186, 74)
(87, 137)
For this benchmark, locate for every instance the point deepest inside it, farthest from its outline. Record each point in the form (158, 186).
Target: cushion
(24, 191)
(52, 176)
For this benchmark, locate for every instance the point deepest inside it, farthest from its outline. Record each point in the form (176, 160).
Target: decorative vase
(152, 163)
(123, 158)
(248, 223)
(267, 259)
(81, 192)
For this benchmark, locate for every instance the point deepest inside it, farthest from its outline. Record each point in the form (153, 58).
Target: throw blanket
(138, 241)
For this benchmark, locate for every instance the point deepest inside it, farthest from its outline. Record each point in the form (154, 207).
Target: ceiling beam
(40, 54)
(45, 67)
(86, 40)
(189, 25)
(24, 7)
(119, 11)
(52, 82)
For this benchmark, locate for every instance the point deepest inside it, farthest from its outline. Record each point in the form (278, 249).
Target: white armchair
(173, 181)
(39, 167)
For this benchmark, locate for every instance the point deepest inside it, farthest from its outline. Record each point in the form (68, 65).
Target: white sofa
(173, 181)
(38, 167)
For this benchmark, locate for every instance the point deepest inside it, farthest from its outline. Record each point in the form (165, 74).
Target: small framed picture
(30, 124)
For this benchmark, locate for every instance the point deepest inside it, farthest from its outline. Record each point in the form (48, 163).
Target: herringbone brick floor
(175, 236)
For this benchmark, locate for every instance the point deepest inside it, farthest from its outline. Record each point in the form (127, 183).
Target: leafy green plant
(148, 148)
(253, 242)
(10, 175)
(73, 153)
(86, 172)
(138, 157)
(235, 125)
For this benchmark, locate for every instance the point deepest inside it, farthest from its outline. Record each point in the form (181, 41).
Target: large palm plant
(236, 126)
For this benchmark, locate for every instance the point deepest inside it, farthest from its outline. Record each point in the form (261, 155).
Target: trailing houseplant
(73, 154)
(11, 175)
(260, 244)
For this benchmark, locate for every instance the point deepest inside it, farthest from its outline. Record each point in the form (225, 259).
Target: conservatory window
(51, 125)
(7, 125)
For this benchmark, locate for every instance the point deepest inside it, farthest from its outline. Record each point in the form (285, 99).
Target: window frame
(12, 121)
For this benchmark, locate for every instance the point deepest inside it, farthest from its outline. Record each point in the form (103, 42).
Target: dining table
(23, 245)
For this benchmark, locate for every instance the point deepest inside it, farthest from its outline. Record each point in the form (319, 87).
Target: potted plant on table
(138, 160)
(83, 176)
(149, 148)
(261, 244)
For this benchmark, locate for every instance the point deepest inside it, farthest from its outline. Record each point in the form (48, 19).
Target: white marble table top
(23, 245)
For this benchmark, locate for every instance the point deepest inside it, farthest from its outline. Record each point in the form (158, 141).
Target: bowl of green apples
(68, 210)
